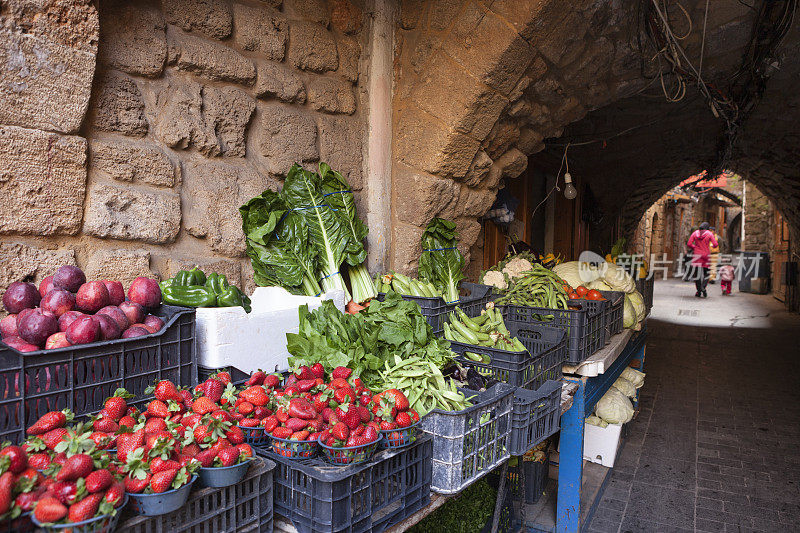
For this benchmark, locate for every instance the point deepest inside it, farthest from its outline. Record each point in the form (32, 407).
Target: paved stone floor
(716, 445)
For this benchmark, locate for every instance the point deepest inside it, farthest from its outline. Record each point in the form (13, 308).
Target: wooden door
(780, 256)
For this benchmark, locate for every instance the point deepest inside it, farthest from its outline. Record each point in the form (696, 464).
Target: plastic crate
(236, 375)
(585, 327)
(372, 496)
(435, 310)
(470, 443)
(614, 312)
(645, 286)
(22, 524)
(81, 377)
(534, 417)
(245, 506)
(546, 349)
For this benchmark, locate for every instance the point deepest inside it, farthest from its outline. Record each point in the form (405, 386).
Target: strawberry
(322, 400)
(99, 480)
(403, 420)
(296, 424)
(6, 492)
(158, 408)
(86, 508)
(30, 476)
(224, 376)
(204, 405)
(340, 431)
(101, 440)
(363, 412)
(77, 466)
(166, 390)
(344, 395)
(251, 422)
(116, 406)
(414, 415)
(213, 389)
(339, 383)
(269, 423)
(40, 461)
(49, 509)
(106, 425)
(155, 424)
(159, 465)
(67, 492)
(127, 421)
(221, 414)
(281, 432)
(397, 398)
(18, 459)
(206, 457)
(255, 395)
(245, 408)
(26, 500)
(370, 434)
(299, 435)
(341, 372)
(256, 378)
(349, 414)
(161, 481)
(304, 372)
(189, 420)
(136, 485)
(127, 442)
(235, 435)
(190, 449)
(388, 426)
(228, 456)
(245, 450)
(50, 421)
(115, 494)
(272, 381)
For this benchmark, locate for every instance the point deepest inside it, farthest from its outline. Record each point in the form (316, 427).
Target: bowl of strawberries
(398, 422)
(228, 467)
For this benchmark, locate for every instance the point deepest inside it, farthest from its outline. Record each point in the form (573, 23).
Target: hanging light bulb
(569, 191)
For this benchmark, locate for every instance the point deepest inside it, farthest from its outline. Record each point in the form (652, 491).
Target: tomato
(574, 296)
(581, 290)
(594, 295)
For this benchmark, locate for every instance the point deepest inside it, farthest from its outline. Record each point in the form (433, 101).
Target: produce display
(302, 237)
(406, 285)
(488, 329)
(441, 263)
(538, 287)
(66, 310)
(192, 288)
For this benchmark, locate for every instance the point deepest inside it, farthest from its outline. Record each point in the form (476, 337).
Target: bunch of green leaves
(364, 342)
(441, 263)
(467, 513)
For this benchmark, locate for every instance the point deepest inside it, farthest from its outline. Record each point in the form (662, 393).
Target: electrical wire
(555, 187)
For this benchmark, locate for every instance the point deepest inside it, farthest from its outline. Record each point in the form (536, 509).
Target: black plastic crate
(470, 443)
(237, 375)
(614, 312)
(645, 286)
(245, 506)
(534, 417)
(81, 377)
(373, 496)
(585, 328)
(545, 351)
(436, 311)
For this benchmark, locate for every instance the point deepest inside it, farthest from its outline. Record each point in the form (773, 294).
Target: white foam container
(227, 336)
(600, 444)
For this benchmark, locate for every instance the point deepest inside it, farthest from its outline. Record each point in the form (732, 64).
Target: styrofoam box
(600, 444)
(227, 336)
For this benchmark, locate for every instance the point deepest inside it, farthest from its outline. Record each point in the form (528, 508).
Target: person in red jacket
(701, 242)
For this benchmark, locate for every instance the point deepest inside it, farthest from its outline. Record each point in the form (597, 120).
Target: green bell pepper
(217, 283)
(187, 278)
(230, 297)
(189, 296)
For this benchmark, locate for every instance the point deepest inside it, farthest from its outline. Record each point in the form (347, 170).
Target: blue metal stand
(570, 467)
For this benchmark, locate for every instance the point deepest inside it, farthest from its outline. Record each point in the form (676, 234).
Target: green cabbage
(593, 420)
(634, 376)
(614, 407)
(618, 278)
(625, 387)
(600, 285)
(638, 304)
(628, 314)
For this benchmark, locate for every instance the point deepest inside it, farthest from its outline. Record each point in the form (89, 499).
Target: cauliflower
(516, 267)
(495, 279)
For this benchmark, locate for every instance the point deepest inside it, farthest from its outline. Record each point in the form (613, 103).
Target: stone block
(212, 18)
(331, 95)
(70, 23)
(475, 202)
(228, 111)
(478, 169)
(468, 230)
(275, 81)
(410, 13)
(406, 247)
(509, 165)
(471, 106)
(341, 145)
(23, 262)
(179, 120)
(230, 267)
(424, 142)
(133, 38)
(502, 137)
(132, 214)
(45, 85)
(215, 192)
(286, 137)
(419, 197)
(442, 13)
(311, 10)
(209, 59)
(499, 61)
(312, 47)
(132, 161)
(346, 16)
(349, 56)
(118, 105)
(42, 182)
(262, 30)
(119, 265)
(529, 141)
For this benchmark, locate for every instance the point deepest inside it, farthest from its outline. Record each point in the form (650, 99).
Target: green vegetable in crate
(441, 263)
(540, 287)
(488, 330)
(407, 286)
(423, 384)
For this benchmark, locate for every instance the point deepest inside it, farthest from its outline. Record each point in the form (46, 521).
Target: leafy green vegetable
(466, 513)
(441, 263)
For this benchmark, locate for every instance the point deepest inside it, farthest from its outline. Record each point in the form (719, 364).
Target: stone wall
(134, 134)
(759, 221)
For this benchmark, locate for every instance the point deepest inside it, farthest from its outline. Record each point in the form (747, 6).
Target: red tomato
(594, 295)
(581, 290)
(574, 296)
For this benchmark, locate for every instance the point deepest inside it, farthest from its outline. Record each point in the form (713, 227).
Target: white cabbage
(569, 273)
(634, 376)
(618, 278)
(596, 421)
(614, 407)
(628, 314)
(625, 387)
(638, 304)
(600, 285)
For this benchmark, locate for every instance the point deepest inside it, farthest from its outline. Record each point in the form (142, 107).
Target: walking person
(726, 275)
(701, 242)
